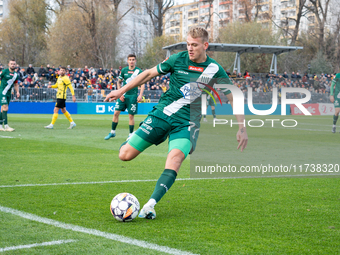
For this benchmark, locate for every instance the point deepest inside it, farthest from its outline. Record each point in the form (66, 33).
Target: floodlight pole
(273, 66)
(237, 63)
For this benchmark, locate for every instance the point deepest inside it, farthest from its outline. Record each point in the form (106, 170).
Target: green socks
(114, 125)
(131, 127)
(164, 183)
(213, 113)
(4, 117)
(335, 119)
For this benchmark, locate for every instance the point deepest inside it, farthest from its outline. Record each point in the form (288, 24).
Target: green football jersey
(7, 81)
(336, 91)
(126, 75)
(182, 100)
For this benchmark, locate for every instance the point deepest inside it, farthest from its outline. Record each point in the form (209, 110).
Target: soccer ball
(124, 207)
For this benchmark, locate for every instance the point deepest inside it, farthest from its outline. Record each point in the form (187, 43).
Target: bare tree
(301, 11)
(249, 6)
(320, 9)
(156, 10)
(29, 21)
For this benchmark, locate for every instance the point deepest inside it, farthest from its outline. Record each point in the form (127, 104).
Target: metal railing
(153, 96)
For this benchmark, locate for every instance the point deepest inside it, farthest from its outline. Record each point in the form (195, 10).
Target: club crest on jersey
(195, 68)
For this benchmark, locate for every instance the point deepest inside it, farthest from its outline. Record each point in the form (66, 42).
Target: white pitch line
(1, 136)
(118, 238)
(28, 246)
(178, 179)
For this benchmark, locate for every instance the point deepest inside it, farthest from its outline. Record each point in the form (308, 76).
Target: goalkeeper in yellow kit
(62, 84)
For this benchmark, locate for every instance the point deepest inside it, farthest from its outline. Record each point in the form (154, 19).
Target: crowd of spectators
(265, 83)
(89, 82)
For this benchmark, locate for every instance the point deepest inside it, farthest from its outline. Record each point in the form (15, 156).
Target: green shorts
(336, 102)
(130, 103)
(5, 99)
(157, 127)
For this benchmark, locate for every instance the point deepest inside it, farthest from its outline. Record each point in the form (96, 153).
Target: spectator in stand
(89, 93)
(285, 75)
(29, 78)
(51, 75)
(30, 70)
(234, 75)
(40, 82)
(82, 82)
(76, 77)
(86, 72)
(79, 71)
(69, 69)
(91, 71)
(239, 75)
(293, 76)
(35, 77)
(101, 72)
(228, 73)
(41, 71)
(305, 79)
(246, 75)
(93, 78)
(298, 76)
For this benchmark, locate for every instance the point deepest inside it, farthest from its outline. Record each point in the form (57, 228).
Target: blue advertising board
(108, 108)
(38, 107)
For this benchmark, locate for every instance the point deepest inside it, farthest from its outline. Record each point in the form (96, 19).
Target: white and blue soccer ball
(124, 207)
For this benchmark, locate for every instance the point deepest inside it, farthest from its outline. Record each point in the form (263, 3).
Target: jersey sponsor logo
(130, 71)
(195, 68)
(191, 91)
(11, 74)
(148, 121)
(179, 71)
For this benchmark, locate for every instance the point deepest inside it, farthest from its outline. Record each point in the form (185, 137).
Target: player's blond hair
(199, 32)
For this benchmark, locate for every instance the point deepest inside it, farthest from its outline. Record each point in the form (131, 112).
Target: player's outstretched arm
(241, 136)
(140, 79)
(16, 87)
(140, 97)
(331, 97)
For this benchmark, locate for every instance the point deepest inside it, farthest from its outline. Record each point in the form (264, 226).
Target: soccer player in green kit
(9, 78)
(130, 99)
(335, 92)
(172, 117)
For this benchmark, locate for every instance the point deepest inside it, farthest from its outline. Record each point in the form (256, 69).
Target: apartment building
(275, 14)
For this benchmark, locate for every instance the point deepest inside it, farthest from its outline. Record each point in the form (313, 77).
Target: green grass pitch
(209, 216)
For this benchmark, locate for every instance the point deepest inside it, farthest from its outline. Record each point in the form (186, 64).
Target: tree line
(85, 33)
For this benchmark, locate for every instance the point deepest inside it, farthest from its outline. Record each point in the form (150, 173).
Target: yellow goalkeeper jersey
(62, 84)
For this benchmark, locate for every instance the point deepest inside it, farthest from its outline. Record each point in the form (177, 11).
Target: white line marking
(178, 179)
(36, 245)
(1, 136)
(95, 232)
